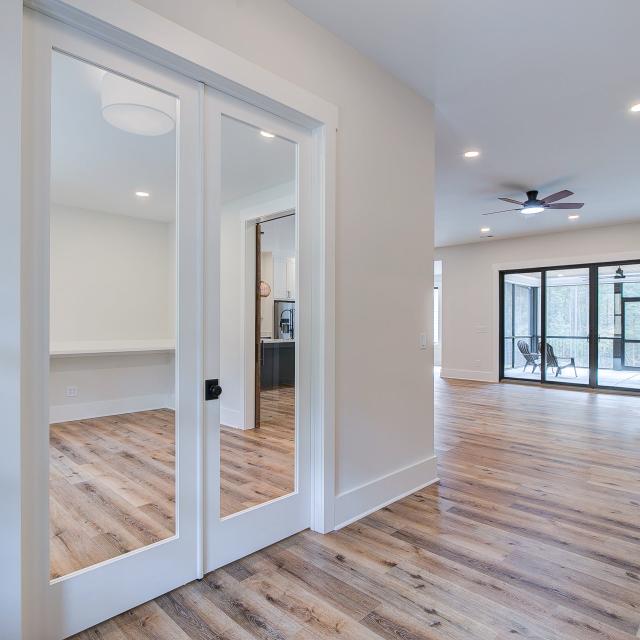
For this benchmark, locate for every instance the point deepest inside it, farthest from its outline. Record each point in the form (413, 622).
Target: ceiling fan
(533, 205)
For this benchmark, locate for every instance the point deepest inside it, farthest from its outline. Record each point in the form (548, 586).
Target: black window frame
(593, 268)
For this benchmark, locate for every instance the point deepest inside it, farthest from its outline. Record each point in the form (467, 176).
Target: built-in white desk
(105, 347)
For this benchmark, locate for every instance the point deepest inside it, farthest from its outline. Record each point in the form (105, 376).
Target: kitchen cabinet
(284, 278)
(278, 363)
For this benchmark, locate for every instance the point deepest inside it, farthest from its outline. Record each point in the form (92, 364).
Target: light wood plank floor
(112, 479)
(111, 487)
(533, 532)
(258, 465)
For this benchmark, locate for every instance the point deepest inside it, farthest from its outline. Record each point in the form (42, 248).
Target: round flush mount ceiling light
(485, 229)
(266, 134)
(635, 108)
(135, 108)
(471, 153)
(142, 194)
(573, 216)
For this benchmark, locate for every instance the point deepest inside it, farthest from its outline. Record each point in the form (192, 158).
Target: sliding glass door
(619, 326)
(567, 326)
(577, 325)
(521, 318)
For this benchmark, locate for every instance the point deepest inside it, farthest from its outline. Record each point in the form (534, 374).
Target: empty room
(320, 320)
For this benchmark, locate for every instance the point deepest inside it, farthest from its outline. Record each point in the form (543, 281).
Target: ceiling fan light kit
(534, 205)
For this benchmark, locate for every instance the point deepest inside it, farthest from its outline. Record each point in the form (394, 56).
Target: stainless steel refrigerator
(284, 319)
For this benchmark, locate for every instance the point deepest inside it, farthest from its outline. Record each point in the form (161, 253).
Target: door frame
(131, 27)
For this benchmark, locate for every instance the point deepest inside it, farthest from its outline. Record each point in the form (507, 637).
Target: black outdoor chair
(553, 362)
(529, 358)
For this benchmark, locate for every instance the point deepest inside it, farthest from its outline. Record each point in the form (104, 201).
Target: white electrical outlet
(423, 341)
(71, 392)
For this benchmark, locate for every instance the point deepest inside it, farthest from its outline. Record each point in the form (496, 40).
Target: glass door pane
(619, 326)
(258, 317)
(567, 326)
(631, 332)
(521, 318)
(112, 315)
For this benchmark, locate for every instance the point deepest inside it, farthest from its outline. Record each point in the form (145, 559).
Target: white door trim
(128, 25)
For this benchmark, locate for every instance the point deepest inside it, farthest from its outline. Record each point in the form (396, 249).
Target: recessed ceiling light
(574, 216)
(471, 154)
(485, 229)
(142, 194)
(635, 108)
(266, 134)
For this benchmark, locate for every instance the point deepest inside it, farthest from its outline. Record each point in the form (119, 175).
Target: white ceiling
(99, 167)
(541, 88)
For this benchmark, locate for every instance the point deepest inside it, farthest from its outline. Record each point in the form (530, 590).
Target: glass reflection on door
(522, 325)
(112, 316)
(567, 326)
(258, 317)
(619, 326)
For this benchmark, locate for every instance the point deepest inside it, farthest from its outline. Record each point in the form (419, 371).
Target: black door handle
(212, 390)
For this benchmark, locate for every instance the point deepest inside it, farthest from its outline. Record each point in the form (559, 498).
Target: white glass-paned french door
(113, 210)
(257, 329)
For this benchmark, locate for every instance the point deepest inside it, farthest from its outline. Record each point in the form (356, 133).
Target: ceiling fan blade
(554, 197)
(565, 205)
(503, 211)
(510, 200)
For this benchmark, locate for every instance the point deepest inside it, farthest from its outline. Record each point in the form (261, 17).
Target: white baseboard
(86, 410)
(231, 418)
(468, 374)
(367, 498)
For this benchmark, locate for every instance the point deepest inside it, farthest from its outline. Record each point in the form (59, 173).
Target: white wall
(112, 282)
(266, 303)
(384, 235)
(110, 277)
(110, 384)
(470, 279)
